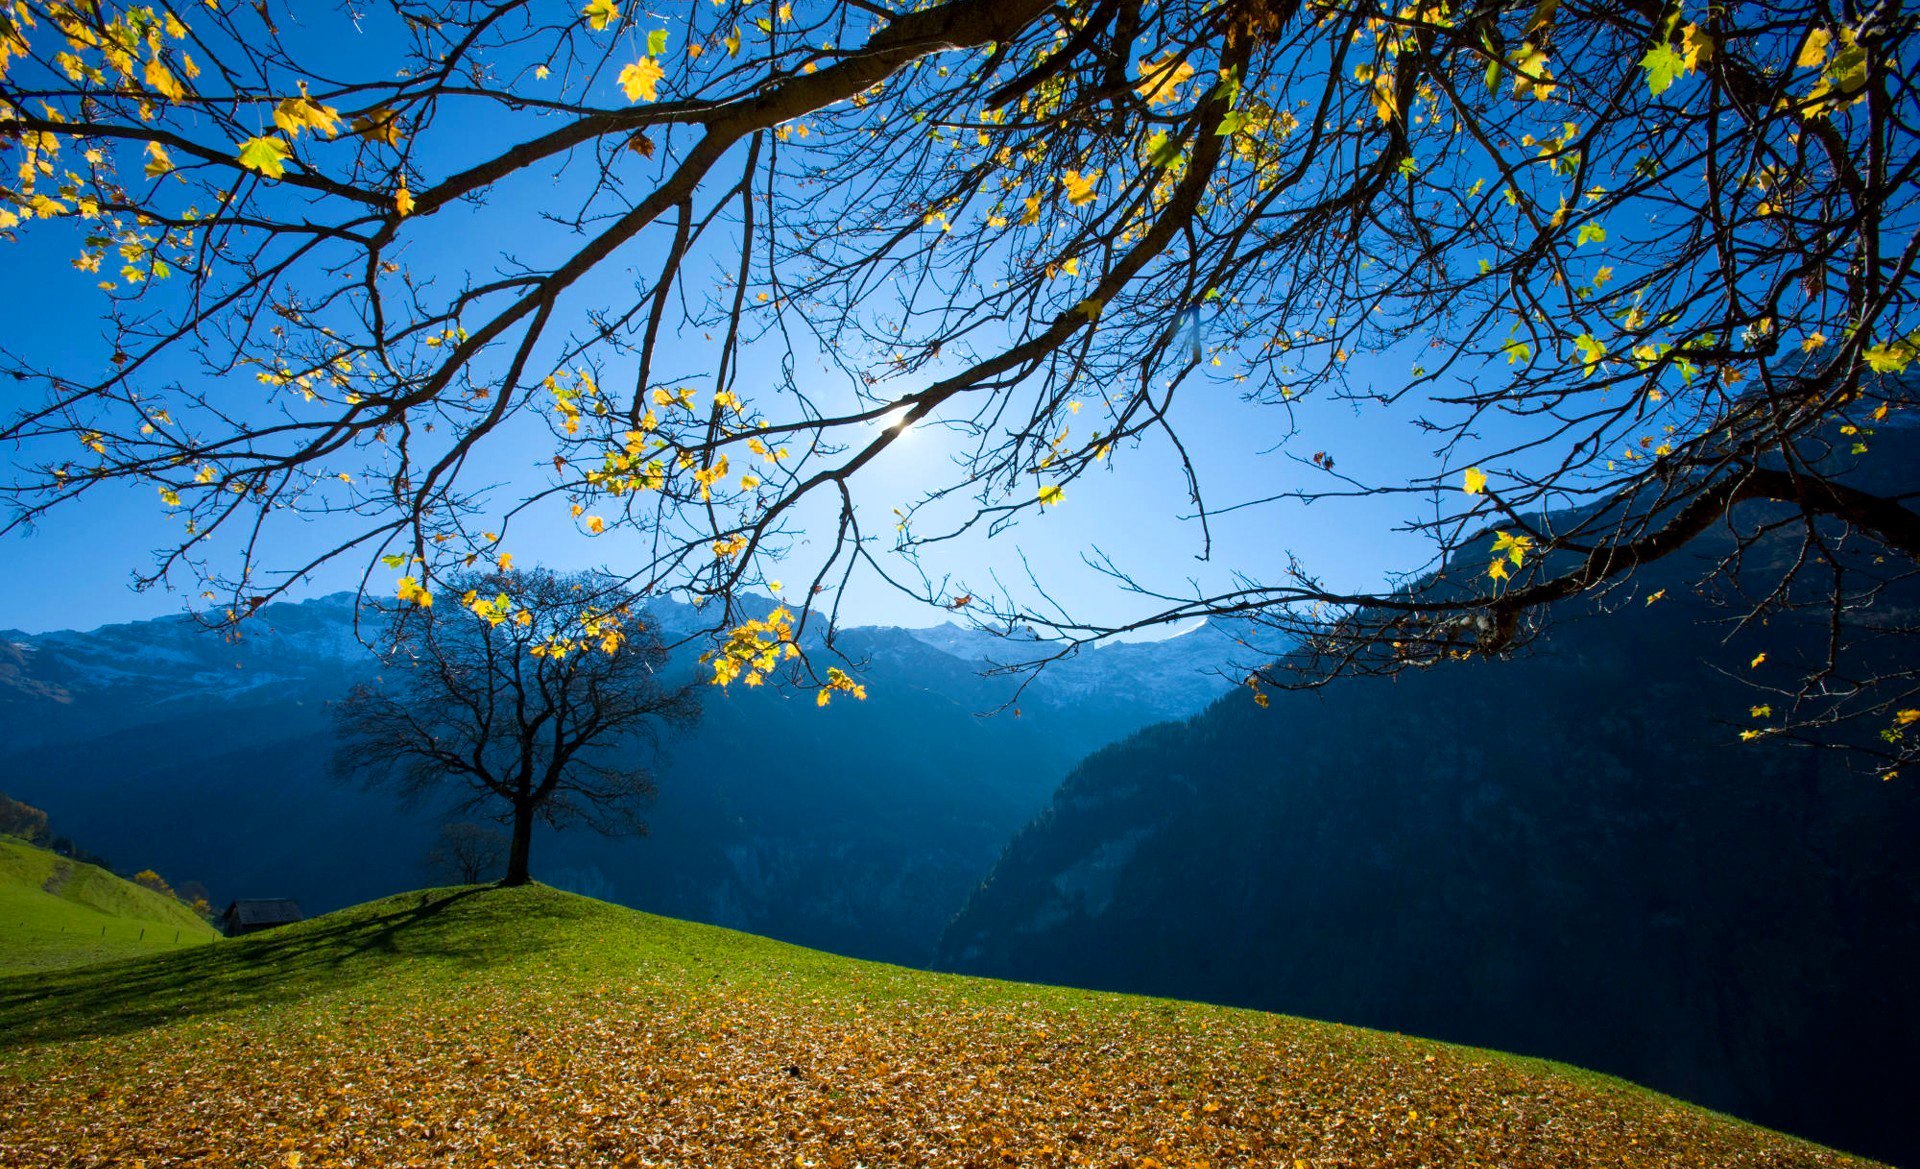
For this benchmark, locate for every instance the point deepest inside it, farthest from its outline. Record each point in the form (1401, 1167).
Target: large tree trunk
(522, 838)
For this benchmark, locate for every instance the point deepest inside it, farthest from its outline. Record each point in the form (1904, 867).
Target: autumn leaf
(161, 80)
(1080, 187)
(380, 125)
(1663, 64)
(1160, 81)
(410, 590)
(1814, 52)
(1514, 547)
(403, 201)
(1161, 150)
(1386, 101)
(295, 114)
(267, 155)
(159, 162)
(1591, 353)
(596, 525)
(600, 14)
(1051, 495)
(641, 80)
(1475, 481)
(1531, 76)
(1892, 357)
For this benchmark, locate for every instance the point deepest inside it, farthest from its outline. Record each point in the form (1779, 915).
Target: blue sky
(74, 569)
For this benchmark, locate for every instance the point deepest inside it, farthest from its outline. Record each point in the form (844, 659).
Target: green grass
(56, 913)
(530, 1027)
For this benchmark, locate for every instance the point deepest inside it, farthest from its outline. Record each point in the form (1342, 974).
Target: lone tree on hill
(468, 852)
(1629, 267)
(537, 698)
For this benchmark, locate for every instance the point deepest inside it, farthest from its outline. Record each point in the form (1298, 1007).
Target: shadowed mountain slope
(1570, 854)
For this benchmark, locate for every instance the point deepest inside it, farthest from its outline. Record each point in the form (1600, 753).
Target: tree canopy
(1632, 266)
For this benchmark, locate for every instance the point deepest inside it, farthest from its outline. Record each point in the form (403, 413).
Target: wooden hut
(246, 917)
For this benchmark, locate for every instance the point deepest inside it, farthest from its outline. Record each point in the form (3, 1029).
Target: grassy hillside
(535, 1028)
(55, 912)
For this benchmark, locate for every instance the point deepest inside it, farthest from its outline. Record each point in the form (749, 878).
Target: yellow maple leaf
(1475, 481)
(1080, 187)
(159, 162)
(1591, 353)
(1386, 100)
(268, 155)
(1051, 495)
(403, 201)
(161, 80)
(1893, 357)
(295, 114)
(411, 590)
(1160, 81)
(1530, 72)
(1515, 547)
(600, 14)
(1814, 52)
(641, 80)
(379, 124)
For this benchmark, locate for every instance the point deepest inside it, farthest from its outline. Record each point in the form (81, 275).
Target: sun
(895, 422)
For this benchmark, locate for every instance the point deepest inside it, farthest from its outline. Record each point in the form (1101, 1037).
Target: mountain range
(858, 828)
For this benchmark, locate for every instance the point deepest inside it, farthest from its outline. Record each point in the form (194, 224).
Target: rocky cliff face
(859, 828)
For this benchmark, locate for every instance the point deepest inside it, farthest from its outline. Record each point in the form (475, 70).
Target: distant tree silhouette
(467, 852)
(197, 897)
(23, 820)
(532, 697)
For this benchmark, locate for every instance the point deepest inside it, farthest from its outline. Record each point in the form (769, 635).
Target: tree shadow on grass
(273, 967)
